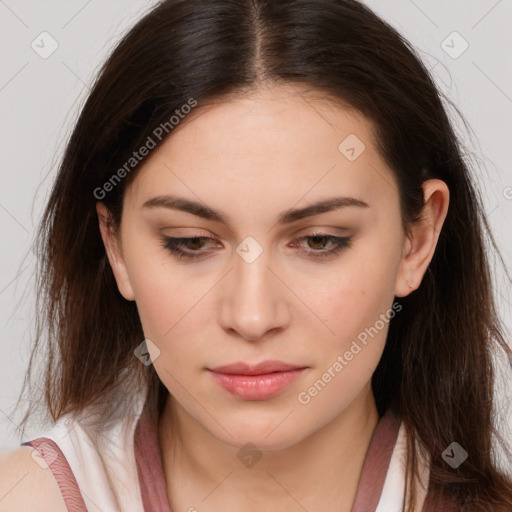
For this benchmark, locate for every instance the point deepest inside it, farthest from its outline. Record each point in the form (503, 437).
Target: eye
(193, 244)
(192, 248)
(318, 241)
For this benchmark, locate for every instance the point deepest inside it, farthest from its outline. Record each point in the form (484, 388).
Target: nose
(255, 300)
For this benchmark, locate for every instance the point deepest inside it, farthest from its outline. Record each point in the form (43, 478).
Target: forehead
(274, 144)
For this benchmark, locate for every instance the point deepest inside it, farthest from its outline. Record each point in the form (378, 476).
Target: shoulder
(26, 484)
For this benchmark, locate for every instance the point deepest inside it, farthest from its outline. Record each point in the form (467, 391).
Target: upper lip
(262, 368)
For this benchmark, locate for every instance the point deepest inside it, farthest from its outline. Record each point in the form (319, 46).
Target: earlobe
(114, 252)
(422, 240)
(403, 284)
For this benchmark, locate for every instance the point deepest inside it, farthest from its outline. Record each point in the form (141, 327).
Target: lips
(256, 382)
(258, 369)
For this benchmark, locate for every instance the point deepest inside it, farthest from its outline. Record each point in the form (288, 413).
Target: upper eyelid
(298, 237)
(342, 232)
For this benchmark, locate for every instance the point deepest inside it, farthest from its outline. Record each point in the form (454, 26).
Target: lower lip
(256, 387)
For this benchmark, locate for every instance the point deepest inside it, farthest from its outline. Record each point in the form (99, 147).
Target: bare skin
(253, 158)
(26, 483)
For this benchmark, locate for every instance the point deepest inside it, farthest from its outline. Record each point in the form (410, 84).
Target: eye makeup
(192, 248)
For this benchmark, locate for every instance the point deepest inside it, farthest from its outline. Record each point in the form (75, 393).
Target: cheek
(173, 307)
(166, 300)
(169, 318)
(354, 295)
(357, 308)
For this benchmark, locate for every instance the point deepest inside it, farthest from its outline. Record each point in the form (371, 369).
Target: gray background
(40, 98)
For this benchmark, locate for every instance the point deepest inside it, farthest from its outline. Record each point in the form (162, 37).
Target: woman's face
(274, 278)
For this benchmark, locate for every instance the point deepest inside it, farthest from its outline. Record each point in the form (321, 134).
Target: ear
(114, 252)
(420, 244)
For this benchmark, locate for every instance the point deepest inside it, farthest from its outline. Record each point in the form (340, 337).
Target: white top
(120, 469)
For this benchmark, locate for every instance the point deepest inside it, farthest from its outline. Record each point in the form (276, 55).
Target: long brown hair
(437, 370)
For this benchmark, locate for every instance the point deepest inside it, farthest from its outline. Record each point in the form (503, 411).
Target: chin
(264, 436)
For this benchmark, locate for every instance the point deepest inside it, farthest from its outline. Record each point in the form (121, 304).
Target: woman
(264, 278)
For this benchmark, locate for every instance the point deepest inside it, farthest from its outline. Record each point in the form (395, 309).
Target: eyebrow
(285, 217)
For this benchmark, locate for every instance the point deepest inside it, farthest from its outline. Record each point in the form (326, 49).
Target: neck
(321, 472)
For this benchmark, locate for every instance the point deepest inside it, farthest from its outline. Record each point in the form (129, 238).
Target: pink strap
(153, 487)
(375, 468)
(376, 464)
(58, 465)
(152, 479)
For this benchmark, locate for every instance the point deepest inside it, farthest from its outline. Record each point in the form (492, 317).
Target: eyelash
(173, 245)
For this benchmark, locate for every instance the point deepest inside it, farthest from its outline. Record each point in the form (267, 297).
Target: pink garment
(132, 479)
